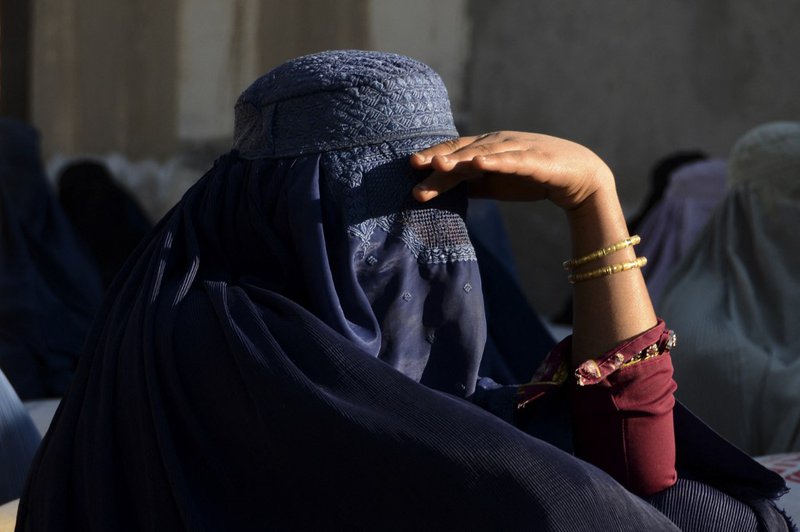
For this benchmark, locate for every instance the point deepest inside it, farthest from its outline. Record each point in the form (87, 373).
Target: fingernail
(422, 187)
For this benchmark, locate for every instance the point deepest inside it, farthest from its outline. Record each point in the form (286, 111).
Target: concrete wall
(103, 76)
(631, 80)
(437, 32)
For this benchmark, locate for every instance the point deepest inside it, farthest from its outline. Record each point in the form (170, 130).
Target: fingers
(447, 173)
(489, 174)
(513, 162)
(502, 165)
(466, 148)
(440, 182)
(453, 162)
(422, 159)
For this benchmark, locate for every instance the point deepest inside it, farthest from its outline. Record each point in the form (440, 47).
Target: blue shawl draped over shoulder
(294, 344)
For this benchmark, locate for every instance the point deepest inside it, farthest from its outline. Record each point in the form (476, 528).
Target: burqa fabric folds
(49, 287)
(293, 345)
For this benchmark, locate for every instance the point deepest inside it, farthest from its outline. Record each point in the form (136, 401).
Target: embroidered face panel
(414, 262)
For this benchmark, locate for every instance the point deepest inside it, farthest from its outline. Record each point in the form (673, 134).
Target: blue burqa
(295, 344)
(49, 286)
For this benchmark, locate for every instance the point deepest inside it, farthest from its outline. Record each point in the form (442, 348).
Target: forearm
(611, 309)
(623, 424)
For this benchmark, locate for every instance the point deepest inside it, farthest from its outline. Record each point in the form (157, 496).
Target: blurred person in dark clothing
(49, 286)
(106, 217)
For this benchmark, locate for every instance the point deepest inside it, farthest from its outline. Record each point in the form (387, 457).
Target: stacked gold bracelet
(605, 270)
(608, 270)
(600, 253)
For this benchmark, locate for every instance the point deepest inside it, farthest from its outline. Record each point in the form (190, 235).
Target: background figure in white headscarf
(734, 300)
(671, 226)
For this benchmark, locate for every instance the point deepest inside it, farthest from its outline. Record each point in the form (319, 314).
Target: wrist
(602, 191)
(598, 221)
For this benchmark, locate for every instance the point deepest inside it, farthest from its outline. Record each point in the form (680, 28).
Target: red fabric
(623, 424)
(622, 419)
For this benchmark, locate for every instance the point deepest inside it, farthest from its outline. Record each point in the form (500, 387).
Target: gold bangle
(613, 248)
(608, 270)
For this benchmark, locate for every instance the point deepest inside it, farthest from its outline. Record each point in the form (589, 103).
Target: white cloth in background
(786, 465)
(8, 516)
(42, 412)
(734, 300)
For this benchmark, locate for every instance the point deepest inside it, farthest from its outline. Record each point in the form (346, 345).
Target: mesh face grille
(372, 184)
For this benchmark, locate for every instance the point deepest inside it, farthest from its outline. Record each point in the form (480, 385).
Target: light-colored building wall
(103, 76)
(225, 45)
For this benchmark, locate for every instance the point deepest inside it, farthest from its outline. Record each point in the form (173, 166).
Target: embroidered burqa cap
(293, 345)
(733, 299)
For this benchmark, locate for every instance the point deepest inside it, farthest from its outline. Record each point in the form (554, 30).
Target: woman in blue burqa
(49, 286)
(298, 344)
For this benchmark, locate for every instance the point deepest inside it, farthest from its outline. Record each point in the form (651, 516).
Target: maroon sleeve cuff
(624, 425)
(658, 338)
(621, 407)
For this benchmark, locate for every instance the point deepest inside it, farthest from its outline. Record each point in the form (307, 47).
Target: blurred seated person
(735, 295)
(297, 344)
(106, 217)
(660, 175)
(49, 286)
(671, 226)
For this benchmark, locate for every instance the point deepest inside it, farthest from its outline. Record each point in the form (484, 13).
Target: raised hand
(516, 166)
(513, 166)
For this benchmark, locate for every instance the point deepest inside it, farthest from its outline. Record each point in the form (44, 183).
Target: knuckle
(451, 143)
